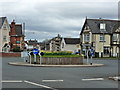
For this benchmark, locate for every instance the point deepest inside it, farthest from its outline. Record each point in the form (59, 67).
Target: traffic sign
(41, 53)
(35, 51)
(92, 52)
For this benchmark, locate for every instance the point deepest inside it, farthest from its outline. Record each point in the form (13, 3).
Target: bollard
(29, 57)
(34, 58)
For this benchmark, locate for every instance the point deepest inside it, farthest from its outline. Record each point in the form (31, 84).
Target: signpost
(87, 53)
(29, 57)
(35, 51)
(91, 54)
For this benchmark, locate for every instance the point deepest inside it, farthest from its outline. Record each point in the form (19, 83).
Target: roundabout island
(43, 65)
(54, 59)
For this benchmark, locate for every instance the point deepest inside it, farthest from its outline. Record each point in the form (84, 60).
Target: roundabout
(44, 65)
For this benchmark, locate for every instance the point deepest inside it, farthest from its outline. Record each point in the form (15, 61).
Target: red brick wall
(13, 39)
(10, 54)
(13, 42)
(12, 27)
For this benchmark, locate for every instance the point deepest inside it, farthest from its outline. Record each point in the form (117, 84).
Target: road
(61, 77)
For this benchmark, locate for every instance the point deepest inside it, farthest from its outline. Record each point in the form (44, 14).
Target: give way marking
(11, 81)
(40, 85)
(52, 80)
(93, 79)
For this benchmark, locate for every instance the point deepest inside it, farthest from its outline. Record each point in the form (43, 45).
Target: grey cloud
(46, 20)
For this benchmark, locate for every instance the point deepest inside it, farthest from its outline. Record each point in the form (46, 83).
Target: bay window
(86, 37)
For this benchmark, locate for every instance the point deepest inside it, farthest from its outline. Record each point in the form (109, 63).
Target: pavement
(38, 65)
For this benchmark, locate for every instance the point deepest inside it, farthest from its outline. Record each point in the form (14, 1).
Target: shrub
(17, 49)
(57, 53)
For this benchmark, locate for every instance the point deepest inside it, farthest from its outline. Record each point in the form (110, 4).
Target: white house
(70, 44)
(31, 44)
(4, 35)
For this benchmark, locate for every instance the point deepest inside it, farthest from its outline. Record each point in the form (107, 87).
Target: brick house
(102, 35)
(16, 36)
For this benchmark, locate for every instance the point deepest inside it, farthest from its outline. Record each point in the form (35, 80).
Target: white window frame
(102, 26)
(114, 37)
(86, 37)
(4, 38)
(102, 37)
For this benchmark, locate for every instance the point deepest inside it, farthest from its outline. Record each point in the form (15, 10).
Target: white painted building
(4, 35)
(70, 44)
(31, 44)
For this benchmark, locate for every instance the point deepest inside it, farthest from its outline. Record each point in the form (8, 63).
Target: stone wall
(59, 60)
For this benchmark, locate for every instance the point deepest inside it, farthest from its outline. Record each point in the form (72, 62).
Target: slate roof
(72, 40)
(32, 42)
(94, 24)
(18, 28)
(2, 19)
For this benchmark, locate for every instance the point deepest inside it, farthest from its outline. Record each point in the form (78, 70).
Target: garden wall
(12, 54)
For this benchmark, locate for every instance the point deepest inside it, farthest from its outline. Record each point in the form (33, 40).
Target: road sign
(92, 52)
(41, 53)
(35, 51)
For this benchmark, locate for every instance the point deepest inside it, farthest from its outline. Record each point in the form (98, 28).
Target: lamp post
(87, 53)
(103, 42)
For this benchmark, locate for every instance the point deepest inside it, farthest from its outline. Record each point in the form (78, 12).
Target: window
(18, 42)
(102, 38)
(62, 45)
(4, 27)
(86, 28)
(4, 38)
(86, 37)
(106, 50)
(77, 45)
(114, 37)
(102, 26)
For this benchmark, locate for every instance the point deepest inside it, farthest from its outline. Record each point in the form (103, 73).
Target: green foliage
(17, 49)
(56, 52)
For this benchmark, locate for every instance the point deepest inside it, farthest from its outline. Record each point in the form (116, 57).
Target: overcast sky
(45, 19)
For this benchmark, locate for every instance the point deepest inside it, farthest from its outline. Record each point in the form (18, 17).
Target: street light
(87, 53)
(103, 42)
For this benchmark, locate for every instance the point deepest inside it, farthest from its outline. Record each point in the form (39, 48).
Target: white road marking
(11, 81)
(39, 85)
(92, 79)
(52, 80)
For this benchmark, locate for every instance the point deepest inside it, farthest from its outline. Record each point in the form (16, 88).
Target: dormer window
(86, 27)
(102, 26)
(4, 27)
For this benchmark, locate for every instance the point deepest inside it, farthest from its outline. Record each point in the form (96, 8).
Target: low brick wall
(11, 54)
(59, 60)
